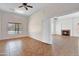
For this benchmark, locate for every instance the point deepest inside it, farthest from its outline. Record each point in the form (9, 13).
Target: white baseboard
(4, 37)
(41, 40)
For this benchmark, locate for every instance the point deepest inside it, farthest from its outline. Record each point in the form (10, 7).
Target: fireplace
(66, 32)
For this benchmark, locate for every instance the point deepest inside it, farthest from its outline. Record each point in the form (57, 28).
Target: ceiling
(13, 7)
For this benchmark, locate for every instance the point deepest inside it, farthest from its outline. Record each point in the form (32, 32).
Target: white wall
(39, 26)
(76, 27)
(6, 17)
(35, 26)
(0, 25)
(62, 24)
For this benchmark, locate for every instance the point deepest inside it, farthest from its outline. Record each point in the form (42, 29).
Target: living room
(30, 29)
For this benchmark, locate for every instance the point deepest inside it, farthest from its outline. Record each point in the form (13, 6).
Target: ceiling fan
(26, 6)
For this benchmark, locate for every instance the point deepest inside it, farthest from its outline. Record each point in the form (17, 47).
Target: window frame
(17, 27)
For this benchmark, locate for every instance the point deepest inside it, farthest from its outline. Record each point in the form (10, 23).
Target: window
(14, 28)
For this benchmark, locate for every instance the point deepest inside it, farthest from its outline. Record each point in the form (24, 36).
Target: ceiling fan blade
(30, 6)
(26, 8)
(20, 6)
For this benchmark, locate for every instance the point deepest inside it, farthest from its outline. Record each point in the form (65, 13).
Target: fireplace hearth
(65, 32)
